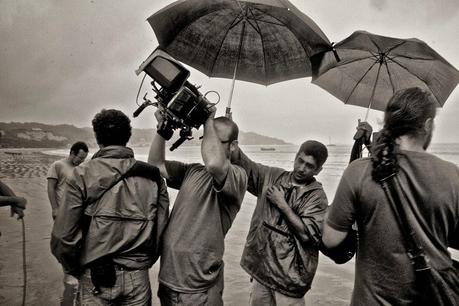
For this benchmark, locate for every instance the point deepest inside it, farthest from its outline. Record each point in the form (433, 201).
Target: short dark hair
(315, 149)
(111, 127)
(77, 146)
(232, 125)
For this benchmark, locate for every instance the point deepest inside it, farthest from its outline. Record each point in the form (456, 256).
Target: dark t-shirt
(193, 242)
(384, 274)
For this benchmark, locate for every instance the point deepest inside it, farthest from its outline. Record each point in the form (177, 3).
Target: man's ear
(429, 126)
(318, 170)
(234, 145)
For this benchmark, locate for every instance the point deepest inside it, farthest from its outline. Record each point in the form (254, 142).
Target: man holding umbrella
(430, 193)
(281, 251)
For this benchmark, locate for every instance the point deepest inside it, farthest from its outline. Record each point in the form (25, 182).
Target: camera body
(184, 106)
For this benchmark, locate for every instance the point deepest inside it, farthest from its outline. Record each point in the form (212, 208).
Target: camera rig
(183, 105)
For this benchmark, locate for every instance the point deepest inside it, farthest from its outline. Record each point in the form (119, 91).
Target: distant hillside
(39, 135)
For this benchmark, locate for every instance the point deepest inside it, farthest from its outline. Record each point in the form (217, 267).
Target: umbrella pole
(373, 93)
(228, 108)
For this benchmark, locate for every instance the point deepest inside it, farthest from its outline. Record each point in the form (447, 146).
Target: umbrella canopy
(373, 67)
(260, 41)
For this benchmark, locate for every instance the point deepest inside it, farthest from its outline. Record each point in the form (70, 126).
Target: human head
(410, 112)
(78, 153)
(407, 113)
(309, 160)
(111, 128)
(228, 133)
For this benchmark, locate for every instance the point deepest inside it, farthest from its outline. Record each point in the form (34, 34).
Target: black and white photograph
(229, 152)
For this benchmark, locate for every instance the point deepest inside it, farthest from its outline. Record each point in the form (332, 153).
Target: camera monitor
(166, 71)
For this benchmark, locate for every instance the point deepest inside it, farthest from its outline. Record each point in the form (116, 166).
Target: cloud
(378, 4)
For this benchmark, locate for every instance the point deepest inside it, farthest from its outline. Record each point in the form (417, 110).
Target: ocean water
(283, 157)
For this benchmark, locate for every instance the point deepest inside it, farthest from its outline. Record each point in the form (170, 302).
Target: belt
(123, 268)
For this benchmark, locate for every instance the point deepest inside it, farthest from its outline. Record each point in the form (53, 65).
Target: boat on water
(267, 149)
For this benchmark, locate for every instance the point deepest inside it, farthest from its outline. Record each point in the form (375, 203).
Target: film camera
(184, 106)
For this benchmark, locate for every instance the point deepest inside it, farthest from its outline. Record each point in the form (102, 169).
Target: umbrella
(260, 41)
(371, 68)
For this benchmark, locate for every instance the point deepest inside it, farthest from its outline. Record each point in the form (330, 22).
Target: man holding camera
(109, 224)
(281, 251)
(209, 197)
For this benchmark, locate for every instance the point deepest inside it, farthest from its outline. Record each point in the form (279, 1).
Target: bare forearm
(213, 153)
(157, 154)
(52, 199)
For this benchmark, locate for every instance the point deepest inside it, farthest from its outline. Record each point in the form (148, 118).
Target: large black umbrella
(260, 41)
(373, 67)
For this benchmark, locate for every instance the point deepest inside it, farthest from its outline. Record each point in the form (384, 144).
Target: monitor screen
(163, 71)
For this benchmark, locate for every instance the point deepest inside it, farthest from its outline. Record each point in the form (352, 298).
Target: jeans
(132, 288)
(69, 296)
(264, 296)
(210, 297)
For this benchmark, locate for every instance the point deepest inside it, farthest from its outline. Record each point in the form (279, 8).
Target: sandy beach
(26, 174)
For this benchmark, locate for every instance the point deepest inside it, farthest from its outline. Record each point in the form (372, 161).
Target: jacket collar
(114, 152)
(288, 185)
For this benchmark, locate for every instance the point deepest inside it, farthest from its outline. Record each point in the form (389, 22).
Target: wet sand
(26, 175)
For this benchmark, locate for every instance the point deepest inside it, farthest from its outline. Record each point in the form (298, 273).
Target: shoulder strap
(140, 169)
(392, 189)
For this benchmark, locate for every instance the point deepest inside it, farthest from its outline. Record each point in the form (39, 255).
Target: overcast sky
(61, 61)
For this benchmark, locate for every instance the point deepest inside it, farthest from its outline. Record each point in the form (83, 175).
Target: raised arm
(213, 153)
(157, 154)
(255, 171)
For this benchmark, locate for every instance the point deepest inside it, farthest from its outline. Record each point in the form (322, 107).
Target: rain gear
(273, 255)
(125, 223)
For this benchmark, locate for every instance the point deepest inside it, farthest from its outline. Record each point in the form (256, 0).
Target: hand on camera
(212, 110)
(160, 116)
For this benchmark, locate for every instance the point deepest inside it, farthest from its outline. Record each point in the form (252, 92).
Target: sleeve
(255, 173)
(313, 215)
(231, 194)
(176, 173)
(5, 190)
(67, 233)
(52, 172)
(342, 212)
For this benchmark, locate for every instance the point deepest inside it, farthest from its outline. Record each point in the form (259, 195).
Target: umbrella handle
(228, 113)
(368, 112)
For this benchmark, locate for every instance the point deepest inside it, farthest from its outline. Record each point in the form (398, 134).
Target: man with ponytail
(384, 273)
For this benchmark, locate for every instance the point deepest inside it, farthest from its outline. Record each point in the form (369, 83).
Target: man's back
(383, 270)
(123, 218)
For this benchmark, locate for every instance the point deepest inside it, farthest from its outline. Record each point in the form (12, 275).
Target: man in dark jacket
(107, 229)
(281, 251)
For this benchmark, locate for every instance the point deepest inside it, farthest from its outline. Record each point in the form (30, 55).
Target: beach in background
(25, 173)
